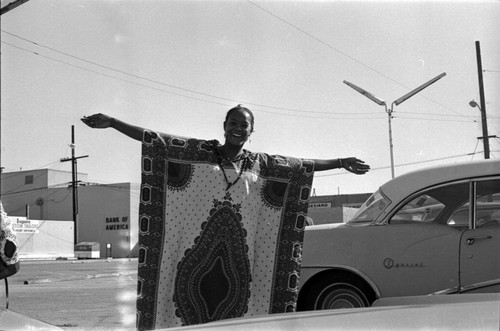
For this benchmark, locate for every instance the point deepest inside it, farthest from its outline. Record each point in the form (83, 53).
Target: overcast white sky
(178, 66)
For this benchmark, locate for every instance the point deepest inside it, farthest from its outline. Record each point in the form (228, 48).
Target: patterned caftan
(208, 252)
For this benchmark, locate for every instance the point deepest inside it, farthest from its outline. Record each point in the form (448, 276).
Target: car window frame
(472, 199)
(382, 197)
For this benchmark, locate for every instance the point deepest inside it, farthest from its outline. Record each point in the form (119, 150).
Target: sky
(178, 66)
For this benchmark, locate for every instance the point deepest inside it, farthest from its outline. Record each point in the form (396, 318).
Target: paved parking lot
(76, 295)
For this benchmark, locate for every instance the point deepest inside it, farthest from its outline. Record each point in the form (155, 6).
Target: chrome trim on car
(467, 288)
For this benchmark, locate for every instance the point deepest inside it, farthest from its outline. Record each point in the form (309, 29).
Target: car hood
(454, 312)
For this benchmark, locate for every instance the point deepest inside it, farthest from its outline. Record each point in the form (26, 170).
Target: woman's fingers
(357, 166)
(96, 121)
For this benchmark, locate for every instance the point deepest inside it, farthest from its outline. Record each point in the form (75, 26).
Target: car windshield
(371, 209)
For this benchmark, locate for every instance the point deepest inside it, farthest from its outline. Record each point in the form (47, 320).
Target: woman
(221, 228)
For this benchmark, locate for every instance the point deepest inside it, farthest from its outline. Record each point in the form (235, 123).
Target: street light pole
(389, 111)
(389, 117)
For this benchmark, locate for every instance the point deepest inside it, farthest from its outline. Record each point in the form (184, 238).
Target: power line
(108, 68)
(350, 114)
(56, 186)
(16, 173)
(404, 164)
(106, 75)
(475, 149)
(333, 115)
(324, 43)
(345, 54)
(430, 119)
(150, 80)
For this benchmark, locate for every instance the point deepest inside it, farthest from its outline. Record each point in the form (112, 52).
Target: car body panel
(415, 255)
(475, 268)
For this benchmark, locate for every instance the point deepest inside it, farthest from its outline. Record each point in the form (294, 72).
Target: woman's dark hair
(240, 107)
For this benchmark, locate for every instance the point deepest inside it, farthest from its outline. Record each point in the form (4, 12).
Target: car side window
(433, 206)
(460, 217)
(488, 203)
(423, 208)
(487, 206)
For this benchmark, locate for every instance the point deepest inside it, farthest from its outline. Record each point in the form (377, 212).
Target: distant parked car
(428, 230)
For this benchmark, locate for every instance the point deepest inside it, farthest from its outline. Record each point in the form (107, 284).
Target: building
(335, 208)
(107, 214)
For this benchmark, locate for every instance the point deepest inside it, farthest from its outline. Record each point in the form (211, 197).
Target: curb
(82, 277)
(74, 260)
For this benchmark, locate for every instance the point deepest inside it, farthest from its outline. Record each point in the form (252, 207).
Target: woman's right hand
(98, 121)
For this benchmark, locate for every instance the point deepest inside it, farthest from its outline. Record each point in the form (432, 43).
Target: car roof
(414, 181)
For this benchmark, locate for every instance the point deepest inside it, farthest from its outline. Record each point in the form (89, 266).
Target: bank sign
(117, 223)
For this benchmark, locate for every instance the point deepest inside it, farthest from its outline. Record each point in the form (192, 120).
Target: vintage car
(428, 230)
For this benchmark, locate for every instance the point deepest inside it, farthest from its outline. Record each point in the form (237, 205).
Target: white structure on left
(40, 204)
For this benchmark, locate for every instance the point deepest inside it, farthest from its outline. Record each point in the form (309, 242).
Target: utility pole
(486, 142)
(74, 183)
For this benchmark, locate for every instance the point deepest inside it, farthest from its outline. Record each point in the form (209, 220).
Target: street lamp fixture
(390, 110)
(474, 104)
(485, 137)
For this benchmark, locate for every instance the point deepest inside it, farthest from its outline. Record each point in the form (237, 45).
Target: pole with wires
(74, 183)
(486, 142)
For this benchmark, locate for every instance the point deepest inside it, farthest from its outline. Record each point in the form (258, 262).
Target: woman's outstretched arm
(351, 164)
(102, 121)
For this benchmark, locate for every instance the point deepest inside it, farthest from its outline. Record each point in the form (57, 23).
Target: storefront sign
(23, 225)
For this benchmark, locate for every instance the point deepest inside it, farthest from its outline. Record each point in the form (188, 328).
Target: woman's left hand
(354, 165)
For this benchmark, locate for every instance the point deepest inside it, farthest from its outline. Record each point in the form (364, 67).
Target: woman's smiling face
(238, 127)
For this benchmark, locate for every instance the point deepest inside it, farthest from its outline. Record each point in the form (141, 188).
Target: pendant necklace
(243, 166)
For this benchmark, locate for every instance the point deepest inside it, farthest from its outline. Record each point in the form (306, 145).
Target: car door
(427, 256)
(480, 245)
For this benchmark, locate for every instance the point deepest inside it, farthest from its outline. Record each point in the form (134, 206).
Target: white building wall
(108, 214)
(99, 207)
(43, 239)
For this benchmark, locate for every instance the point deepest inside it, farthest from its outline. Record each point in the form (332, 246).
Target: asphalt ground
(44, 271)
(75, 295)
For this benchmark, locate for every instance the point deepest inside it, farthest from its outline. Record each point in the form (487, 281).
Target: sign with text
(23, 225)
(117, 223)
(320, 205)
